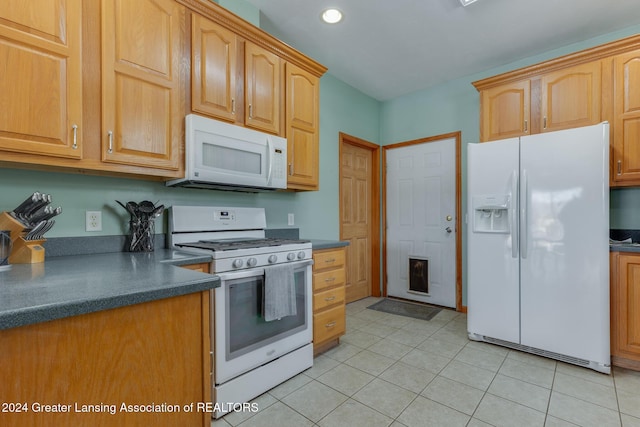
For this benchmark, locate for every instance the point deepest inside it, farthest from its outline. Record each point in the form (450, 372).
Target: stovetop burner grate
(229, 244)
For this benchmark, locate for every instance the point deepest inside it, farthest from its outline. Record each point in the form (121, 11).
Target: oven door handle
(255, 272)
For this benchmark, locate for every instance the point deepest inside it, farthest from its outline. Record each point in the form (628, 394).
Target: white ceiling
(389, 48)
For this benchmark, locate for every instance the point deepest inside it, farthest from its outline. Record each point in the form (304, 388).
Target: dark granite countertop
(327, 244)
(634, 247)
(67, 286)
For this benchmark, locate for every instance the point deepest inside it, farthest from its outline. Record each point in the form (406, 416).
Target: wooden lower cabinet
(625, 310)
(329, 311)
(203, 267)
(114, 359)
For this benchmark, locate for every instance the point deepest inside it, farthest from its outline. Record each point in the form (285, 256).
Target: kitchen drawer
(328, 259)
(328, 324)
(328, 279)
(328, 298)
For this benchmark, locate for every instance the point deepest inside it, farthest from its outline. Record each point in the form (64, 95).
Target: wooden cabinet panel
(328, 259)
(263, 87)
(137, 355)
(505, 111)
(326, 279)
(213, 69)
(571, 97)
(329, 324)
(328, 298)
(626, 121)
(625, 310)
(142, 101)
(302, 118)
(40, 77)
(203, 267)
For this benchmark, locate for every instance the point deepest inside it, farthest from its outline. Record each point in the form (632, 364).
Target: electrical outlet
(290, 219)
(93, 221)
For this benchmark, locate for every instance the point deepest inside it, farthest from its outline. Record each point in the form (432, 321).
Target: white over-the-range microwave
(224, 156)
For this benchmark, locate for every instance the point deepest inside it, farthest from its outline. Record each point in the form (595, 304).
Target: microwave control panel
(279, 170)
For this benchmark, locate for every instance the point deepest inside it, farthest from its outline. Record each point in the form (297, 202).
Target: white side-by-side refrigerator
(538, 244)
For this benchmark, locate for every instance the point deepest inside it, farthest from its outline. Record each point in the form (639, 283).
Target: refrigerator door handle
(524, 201)
(515, 239)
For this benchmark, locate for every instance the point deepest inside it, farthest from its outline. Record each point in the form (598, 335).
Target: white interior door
(420, 212)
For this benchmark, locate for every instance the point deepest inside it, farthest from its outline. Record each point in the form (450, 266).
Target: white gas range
(251, 354)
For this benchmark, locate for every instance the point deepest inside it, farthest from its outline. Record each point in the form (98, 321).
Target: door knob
(448, 229)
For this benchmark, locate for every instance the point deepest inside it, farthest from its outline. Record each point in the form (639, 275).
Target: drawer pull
(330, 279)
(330, 325)
(329, 260)
(330, 298)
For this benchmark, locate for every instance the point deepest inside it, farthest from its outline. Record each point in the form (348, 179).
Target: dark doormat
(401, 308)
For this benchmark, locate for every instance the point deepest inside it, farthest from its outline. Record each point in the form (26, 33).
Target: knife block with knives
(28, 223)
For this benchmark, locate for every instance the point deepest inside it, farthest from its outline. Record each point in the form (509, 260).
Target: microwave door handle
(269, 159)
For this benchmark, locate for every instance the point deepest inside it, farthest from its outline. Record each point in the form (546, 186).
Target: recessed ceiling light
(467, 2)
(332, 16)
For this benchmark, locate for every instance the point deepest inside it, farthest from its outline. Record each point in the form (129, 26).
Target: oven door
(243, 339)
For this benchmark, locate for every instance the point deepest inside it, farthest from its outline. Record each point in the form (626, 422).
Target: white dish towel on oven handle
(279, 296)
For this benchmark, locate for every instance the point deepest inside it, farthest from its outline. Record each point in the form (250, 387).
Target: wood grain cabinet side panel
(139, 355)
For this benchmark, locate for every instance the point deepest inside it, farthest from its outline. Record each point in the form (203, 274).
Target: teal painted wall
(454, 106)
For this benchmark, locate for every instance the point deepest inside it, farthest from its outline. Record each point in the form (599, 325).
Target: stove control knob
(272, 259)
(237, 263)
(291, 256)
(251, 262)
(301, 255)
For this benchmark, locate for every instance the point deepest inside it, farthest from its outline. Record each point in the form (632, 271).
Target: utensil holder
(141, 236)
(24, 251)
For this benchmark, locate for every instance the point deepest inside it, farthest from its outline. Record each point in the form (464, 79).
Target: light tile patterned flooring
(396, 371)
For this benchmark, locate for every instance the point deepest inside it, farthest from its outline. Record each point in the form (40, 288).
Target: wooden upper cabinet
(571, 97)
(40, 77)
(142, 93)
(213, 69)
(302, 118)
(505, 111)
(263, 88)
(626, 121)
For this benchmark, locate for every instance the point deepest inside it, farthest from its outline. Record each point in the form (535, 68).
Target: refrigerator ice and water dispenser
(491, 214)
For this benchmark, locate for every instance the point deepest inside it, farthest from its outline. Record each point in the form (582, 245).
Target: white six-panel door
(420, 213)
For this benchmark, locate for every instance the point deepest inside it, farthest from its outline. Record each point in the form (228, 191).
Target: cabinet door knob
(619, 167)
